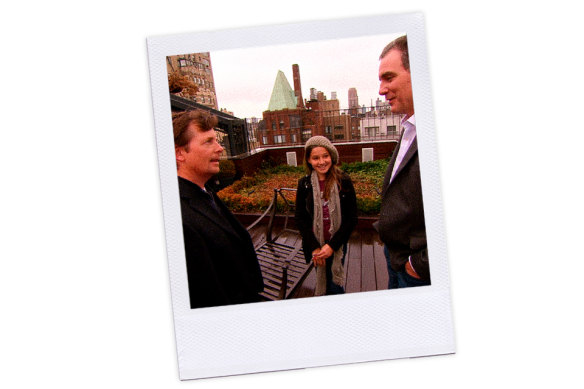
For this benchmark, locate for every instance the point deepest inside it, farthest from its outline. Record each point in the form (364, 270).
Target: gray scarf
(334, 206)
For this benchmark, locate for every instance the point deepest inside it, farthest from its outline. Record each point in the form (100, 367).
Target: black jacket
(305, 214)
(401, 225)
(222, 266)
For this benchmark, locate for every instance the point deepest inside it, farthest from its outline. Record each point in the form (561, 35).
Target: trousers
(400, 279)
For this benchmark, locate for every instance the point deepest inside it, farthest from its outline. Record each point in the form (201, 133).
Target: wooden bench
(283, 266)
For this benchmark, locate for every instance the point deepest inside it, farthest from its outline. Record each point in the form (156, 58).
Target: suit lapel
(389, 170)
(201, 206)
(409, 154)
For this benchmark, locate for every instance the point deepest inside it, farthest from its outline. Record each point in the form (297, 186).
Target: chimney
(297, 87)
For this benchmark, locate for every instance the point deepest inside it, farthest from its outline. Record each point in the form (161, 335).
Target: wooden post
(284, 285)
(272, 216)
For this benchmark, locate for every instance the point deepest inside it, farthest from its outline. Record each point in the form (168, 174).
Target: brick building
(198, 68)
(290, 120)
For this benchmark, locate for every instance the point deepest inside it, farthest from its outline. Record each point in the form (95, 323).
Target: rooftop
(365, 265)
(283, 96)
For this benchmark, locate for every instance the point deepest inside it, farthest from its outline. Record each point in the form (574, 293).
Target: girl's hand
(318, 261)
(324, 252)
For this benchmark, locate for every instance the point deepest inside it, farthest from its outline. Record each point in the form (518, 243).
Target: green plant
(282, 169)
(254, 194)
(226, 168)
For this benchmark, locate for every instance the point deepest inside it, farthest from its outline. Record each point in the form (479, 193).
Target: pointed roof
(282, 95)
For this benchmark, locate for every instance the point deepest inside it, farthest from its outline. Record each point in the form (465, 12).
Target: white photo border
(282, 335)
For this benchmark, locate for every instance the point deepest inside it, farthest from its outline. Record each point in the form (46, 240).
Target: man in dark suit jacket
(222, 266)
(401, 223)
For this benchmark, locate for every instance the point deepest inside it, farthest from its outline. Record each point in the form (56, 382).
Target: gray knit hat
(321, 141)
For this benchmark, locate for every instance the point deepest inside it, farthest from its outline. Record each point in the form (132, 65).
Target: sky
(244, 78)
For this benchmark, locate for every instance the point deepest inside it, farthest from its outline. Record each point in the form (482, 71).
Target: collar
(411, 120)
(192, 188)
(409, 124)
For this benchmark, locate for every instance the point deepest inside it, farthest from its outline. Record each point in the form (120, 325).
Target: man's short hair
(400, 44)
(181, 121)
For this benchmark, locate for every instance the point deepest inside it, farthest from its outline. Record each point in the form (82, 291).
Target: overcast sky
(244, 78)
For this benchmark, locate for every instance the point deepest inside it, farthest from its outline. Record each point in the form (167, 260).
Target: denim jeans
(400, 279)
(331, 287)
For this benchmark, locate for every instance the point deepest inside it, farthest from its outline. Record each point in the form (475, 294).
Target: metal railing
(272, 210)
(283, 269)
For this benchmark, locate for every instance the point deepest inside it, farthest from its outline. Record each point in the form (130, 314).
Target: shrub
(368, 205)
(226, 168)
(282, 169)
(254, 194)
(374, 169)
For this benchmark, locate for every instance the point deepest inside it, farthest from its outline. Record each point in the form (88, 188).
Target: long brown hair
(333, 176)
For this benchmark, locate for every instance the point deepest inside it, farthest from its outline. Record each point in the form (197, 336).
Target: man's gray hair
(400, 44)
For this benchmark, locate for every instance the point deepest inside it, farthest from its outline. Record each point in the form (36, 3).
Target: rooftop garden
(254, 194)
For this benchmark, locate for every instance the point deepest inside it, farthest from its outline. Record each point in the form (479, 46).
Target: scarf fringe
(337, 269)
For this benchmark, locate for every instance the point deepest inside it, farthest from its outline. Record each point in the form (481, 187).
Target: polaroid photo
(266, 272)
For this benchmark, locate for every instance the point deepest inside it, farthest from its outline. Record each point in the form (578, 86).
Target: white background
(84, 290)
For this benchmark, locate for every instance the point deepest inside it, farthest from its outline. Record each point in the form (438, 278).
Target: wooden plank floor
(365, 266)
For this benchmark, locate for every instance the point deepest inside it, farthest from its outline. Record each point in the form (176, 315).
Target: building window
(182, 63)
(339, 136)
(281, 124)
(273, 126)
(371, 131)
(306, 134)
(279, 139)
(328, 129)
(295, 121)
(264, 140)
(391, 129)
(293, 136)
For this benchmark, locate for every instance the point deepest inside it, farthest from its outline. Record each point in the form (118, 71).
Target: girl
(326, 214)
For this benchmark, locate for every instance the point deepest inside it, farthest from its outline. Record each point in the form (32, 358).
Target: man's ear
(179, 151)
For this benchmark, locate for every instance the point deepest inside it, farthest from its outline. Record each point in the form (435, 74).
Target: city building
(381, 105)
(353, 98)
(291, 120)
(252, 132)
(297, 86)
(225, 110)
(312, 93)
(232, 132)
(282, 121)
(380, 125)
(197, 67)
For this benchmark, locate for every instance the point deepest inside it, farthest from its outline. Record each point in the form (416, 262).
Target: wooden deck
(365, 266)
